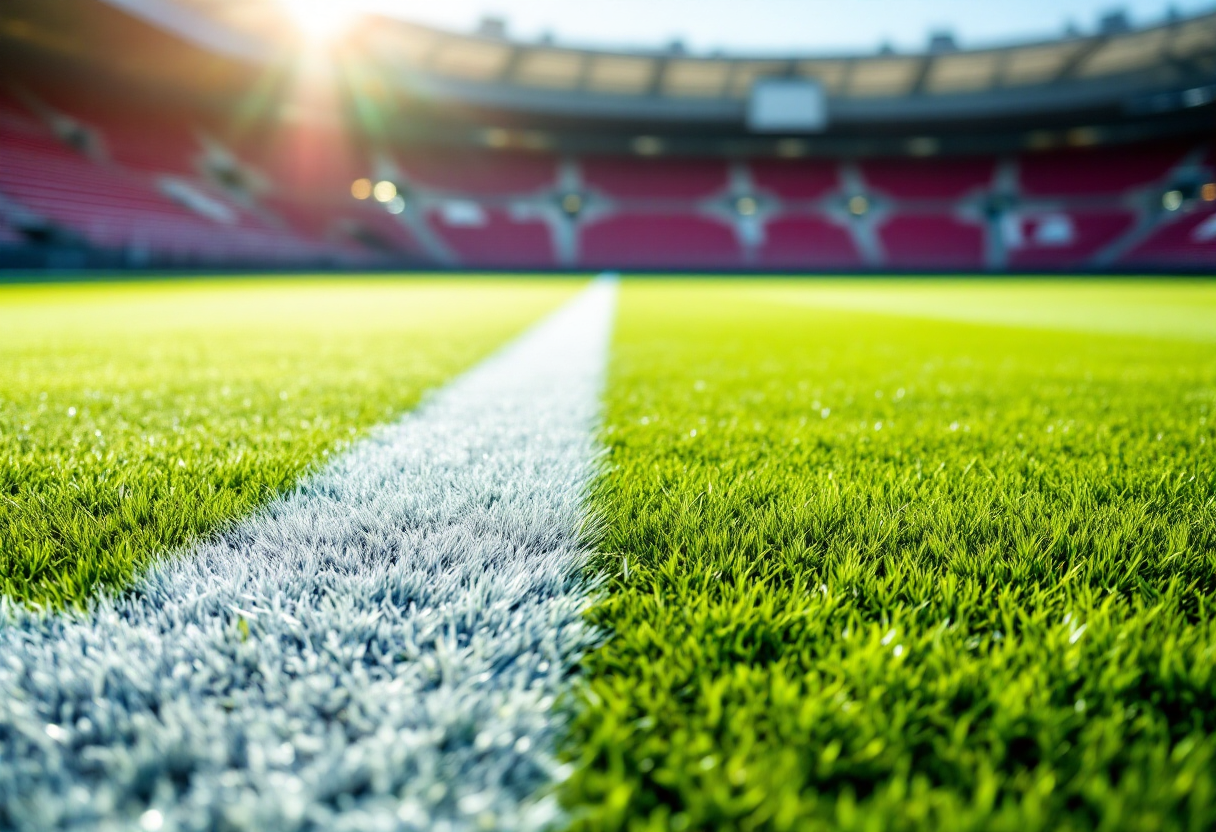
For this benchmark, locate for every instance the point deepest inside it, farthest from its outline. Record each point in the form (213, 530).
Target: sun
(320, 20)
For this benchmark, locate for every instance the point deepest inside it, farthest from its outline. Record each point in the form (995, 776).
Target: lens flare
(320, 20)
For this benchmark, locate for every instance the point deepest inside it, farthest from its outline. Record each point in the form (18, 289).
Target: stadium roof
(1127, 68)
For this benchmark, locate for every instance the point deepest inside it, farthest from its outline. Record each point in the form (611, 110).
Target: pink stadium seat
(158, 135)
(794, 179)
(659, 241)
(1097, 171)
(480, 172)
(928, 178)
(675, 179)
(493, 238)
(807, 242)
(1187, 240)
(116, 208)
(932, 241)
(1060, 240)
(353, 228)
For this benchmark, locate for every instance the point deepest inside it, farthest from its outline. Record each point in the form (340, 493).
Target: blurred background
(671, 135)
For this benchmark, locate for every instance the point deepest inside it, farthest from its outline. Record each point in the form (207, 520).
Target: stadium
(460, 417)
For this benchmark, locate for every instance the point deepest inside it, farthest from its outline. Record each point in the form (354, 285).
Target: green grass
(881, 560)
(135, 418)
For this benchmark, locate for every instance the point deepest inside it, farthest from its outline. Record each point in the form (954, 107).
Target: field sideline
(868, 554)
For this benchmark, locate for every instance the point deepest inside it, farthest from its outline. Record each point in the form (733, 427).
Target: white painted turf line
(378, 650)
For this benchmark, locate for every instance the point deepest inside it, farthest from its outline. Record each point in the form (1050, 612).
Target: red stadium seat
(940, 179)
(1058, 240)
(795, 179)
(659, 241)
(1188, 239)
(807, 243)
(932, 241)
(631, 178)
(492, 237)
(480, 172)
(1097, 171)
(116, 208)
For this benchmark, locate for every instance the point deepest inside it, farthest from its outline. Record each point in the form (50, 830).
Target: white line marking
(378, 650)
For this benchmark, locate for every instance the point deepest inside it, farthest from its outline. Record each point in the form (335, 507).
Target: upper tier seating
(487, 237)
(630, 178)
(1064, 239)
(932, 241)
(795, 179)
(659, 241)
(940, 179)
(1097, 171)
(486, 173)
(806, 242)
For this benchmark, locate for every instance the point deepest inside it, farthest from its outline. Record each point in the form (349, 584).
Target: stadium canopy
(1163, 67)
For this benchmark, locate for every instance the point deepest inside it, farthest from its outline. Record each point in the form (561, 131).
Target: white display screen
(780, 105)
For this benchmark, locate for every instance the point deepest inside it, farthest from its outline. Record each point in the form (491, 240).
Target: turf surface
(947, 569)
(135, 418)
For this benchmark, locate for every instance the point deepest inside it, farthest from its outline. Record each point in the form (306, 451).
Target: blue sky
(781, 25)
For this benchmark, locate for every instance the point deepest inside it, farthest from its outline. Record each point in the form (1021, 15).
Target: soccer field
(904, 554)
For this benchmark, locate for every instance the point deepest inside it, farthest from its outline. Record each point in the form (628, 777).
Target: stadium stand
(478, 173)
(1064, 239)
(621, 177)
(928, 179)
(932, 241)
(1097, 171)
(496, 154)
(793, 242)
(493, 237)
(659, 241)
(794, 180)
(1188, 240)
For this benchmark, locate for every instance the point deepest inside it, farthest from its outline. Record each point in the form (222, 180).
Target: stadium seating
(286, 198)
(932, 241)
(111, 207)
(806, 242)
(623, 177)
(795, 179)
(1187, 240)
(928, 179)
(1050, 240)
(1097, 171)
(491, 237)
(659, 241)
(481, 173)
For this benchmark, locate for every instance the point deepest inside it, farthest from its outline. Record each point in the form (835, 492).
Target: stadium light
(572, 203)
(859, 206)
(1172, 200)
(1208, 192)
(746, 206)
(395, 205)
(384, 191)
(647, 145)
(361, 189)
